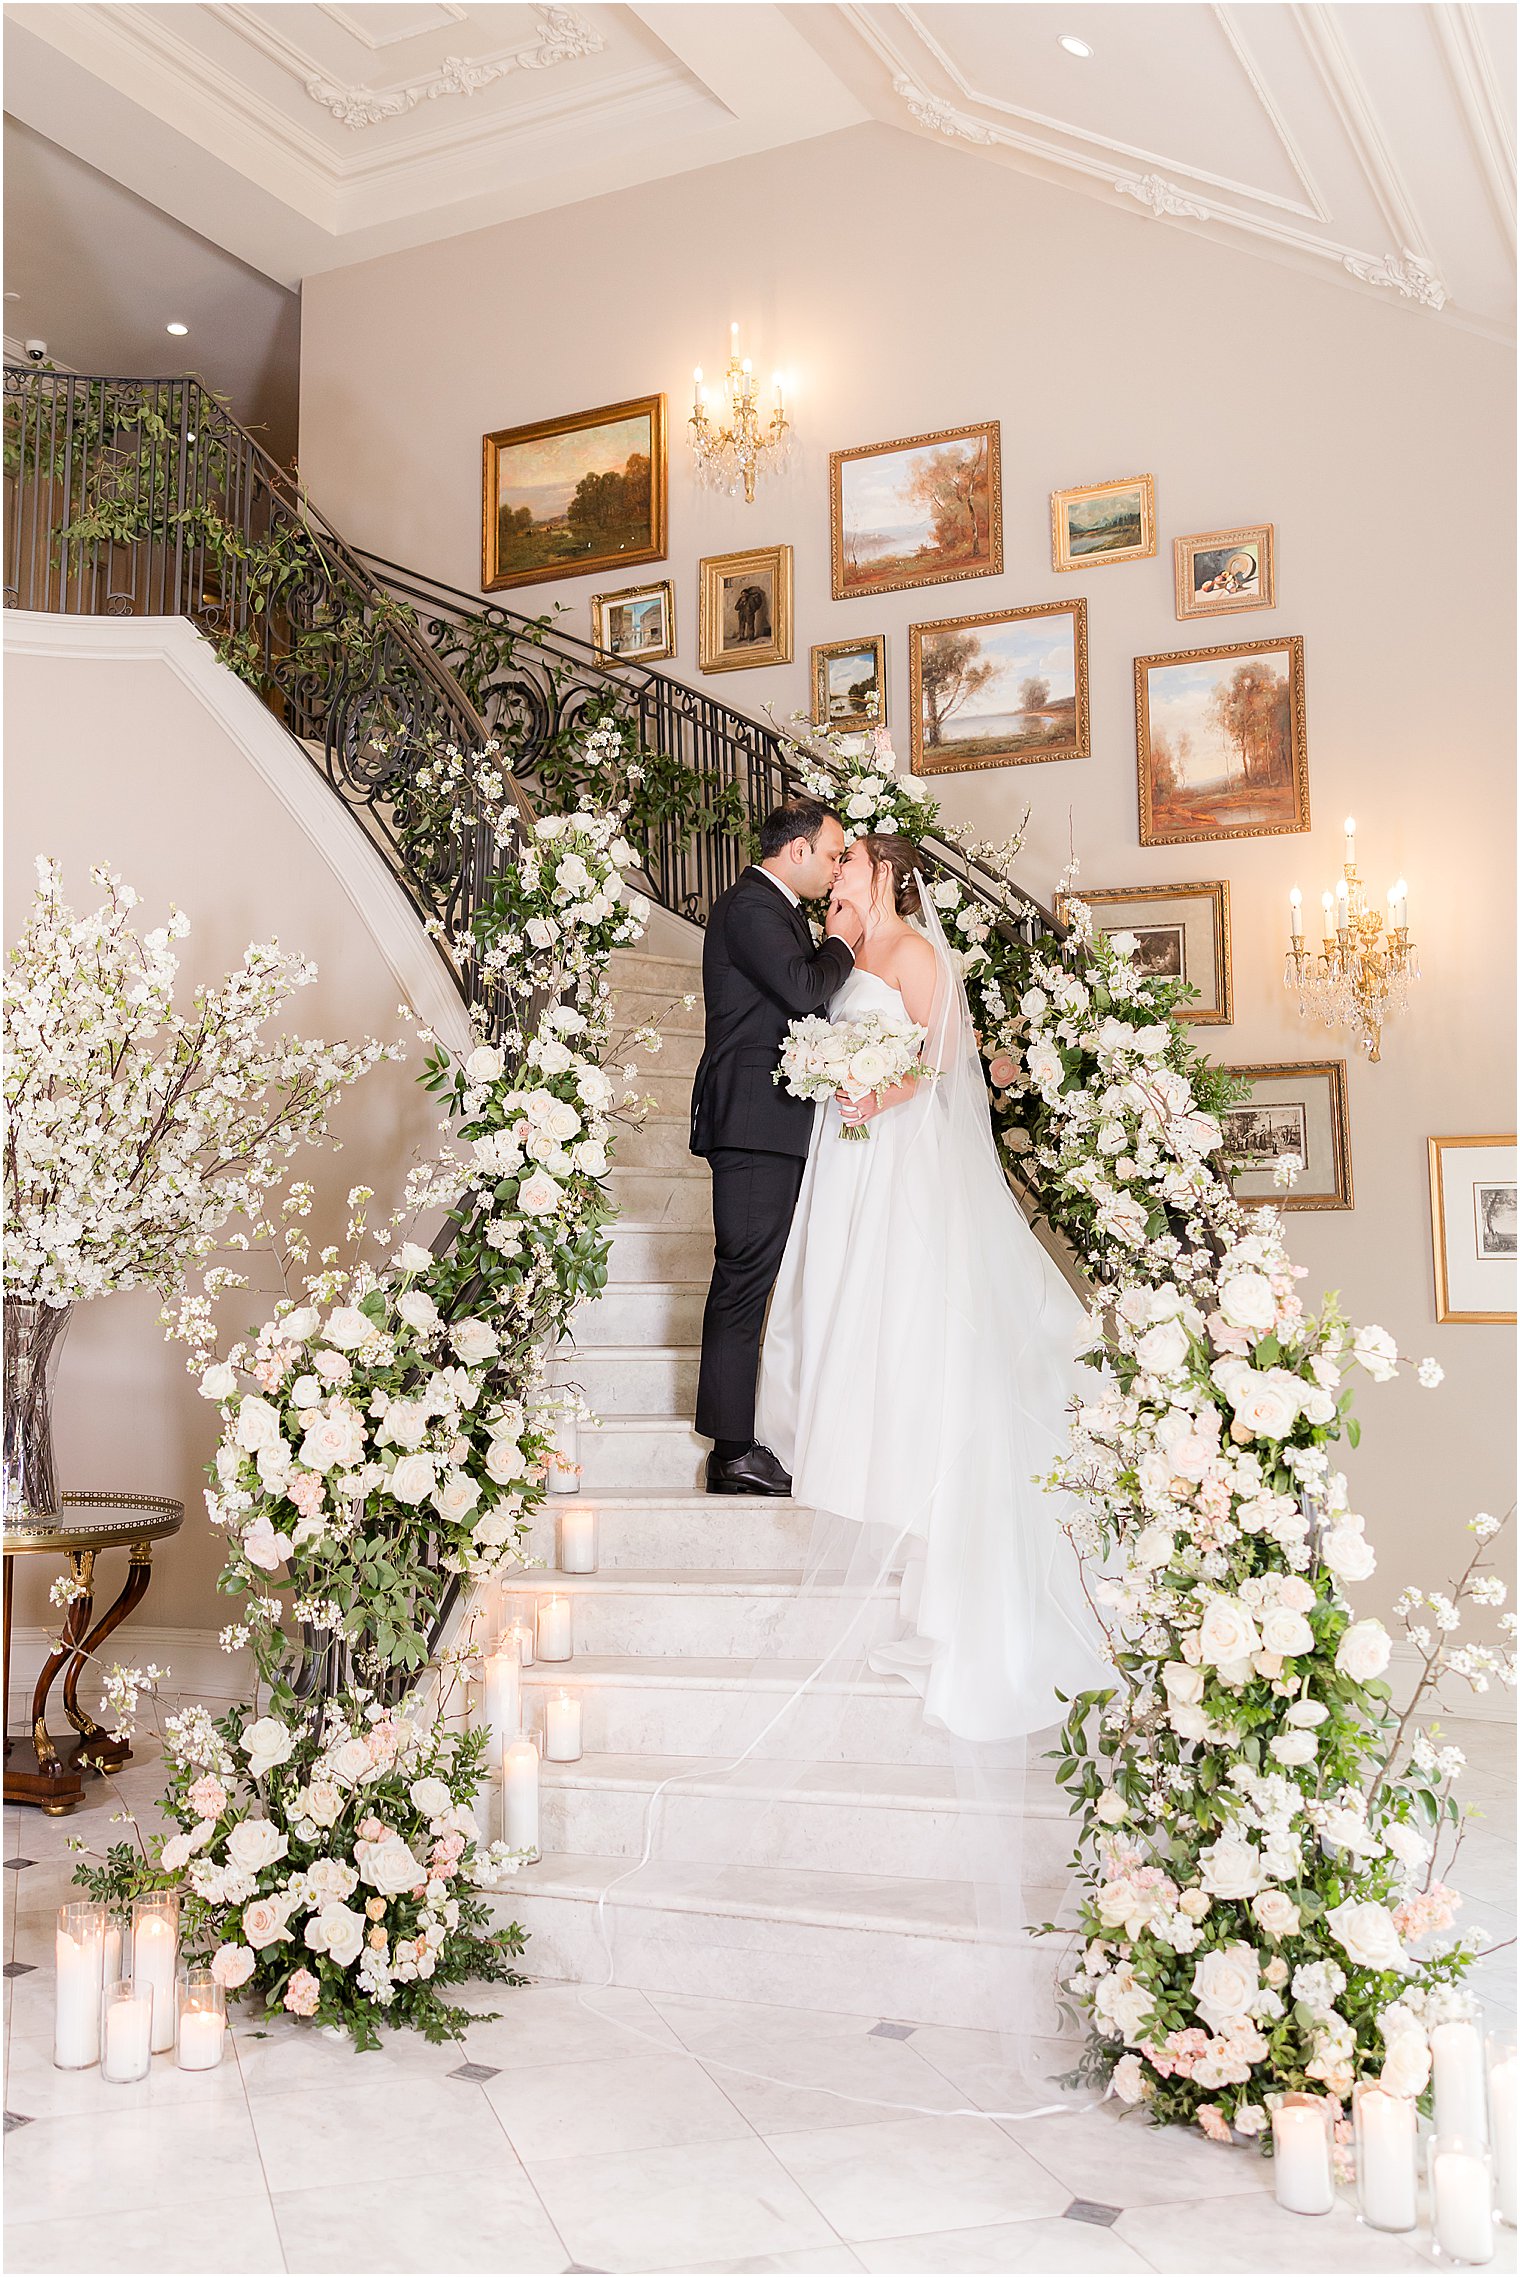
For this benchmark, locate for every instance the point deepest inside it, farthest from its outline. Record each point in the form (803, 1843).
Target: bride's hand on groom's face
(843, 922)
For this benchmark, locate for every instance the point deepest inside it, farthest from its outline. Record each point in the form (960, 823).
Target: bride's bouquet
(862, 1058)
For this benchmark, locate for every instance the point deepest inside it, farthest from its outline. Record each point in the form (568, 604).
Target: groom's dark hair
(799, 818)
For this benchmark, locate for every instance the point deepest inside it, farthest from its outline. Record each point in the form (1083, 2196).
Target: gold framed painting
(744, 617)
(1472, 1227)
(921, 511)
(1222, 571)
(1180, 932)
(850, 683)
(566, 497)
(1221, 742)
(636, 625)
(1103, 522)
(1297, 1107)
(1000, 690)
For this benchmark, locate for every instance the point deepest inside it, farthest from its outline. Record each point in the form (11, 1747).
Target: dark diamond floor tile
(1087, 2210)
(891, 2031)
(17, 2119)
(15, 1864)
(475, 2072)
(20, 1968)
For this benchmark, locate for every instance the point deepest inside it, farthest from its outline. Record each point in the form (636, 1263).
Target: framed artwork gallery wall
(1277, 472)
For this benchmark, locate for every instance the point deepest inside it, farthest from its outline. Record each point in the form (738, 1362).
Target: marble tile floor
(612, 2130)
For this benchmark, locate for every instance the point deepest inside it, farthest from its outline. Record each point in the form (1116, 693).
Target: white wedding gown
(917, 1366)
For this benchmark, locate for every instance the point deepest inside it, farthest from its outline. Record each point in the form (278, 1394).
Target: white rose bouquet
(330, 1866)
(861, 1058)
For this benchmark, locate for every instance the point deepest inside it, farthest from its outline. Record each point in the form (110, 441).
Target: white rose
(1266, 1401)
(1348, 1553)
(260, 1544)
(1410, 1849)
(1365, 1933)
(1231, 1868)
(1154, 1546)
(1164, 1348)
(1363, 1651)
(1112, 1809)
(1276, 1913)
(1406, 2067)
(474, 1342)
(1246, 1300)
(456, 1496)
(348, 1328)
(351, 1761)
(219, 1382)
(1189, 1722)
(335, 1438)
(429, 1796)
(1131, 2082)
(388, 1866)
(539, 1196)
(1378, 1353)
(1293, 1748)
(181, 1848)
(299, 1326)
(232, 1965)
(412, 1479)
(1225, 1982)
(504, 1461)
(255, 1843)
(1306, 1714)
(1183, 1683)
(418, 1310)
(266, 1921)
(1033, 1002)
(337, 1931)
(258, 1424)
(331, 1878)
(1227, 1633)
(265, 1744)
(1284, 1631)
(411, 1257)
(484, 1064)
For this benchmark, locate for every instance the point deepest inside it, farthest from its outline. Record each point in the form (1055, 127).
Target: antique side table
(84, 1525)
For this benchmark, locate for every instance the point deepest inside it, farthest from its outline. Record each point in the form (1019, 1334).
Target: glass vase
(34, 1337)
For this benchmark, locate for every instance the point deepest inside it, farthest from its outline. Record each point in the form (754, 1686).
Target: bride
(919, 1355)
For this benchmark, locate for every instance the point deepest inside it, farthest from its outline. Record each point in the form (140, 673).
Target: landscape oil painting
(1103, 522)
(850, 684)
(1221, 742)
(582, 493)
(917, 512)
(1000, 690)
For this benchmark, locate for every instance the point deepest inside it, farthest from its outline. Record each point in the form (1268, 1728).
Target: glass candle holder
(1457, 2073)
(78, 1946)
(562, 1729)
(1502, 2121)
(1462, 2200)
(577, 1540)
(155, 1959)
(554, 1629)
(520, 1634)
(116, 1951)
(1303, 2154)
(1387, 2162)
(564, 1465)
(126, 2029)
(202, 2028)
(519, 1794)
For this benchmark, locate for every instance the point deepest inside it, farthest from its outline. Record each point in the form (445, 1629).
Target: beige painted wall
(904, 286)
(118, 759)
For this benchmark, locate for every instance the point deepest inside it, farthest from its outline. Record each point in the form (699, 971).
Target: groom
(760, 971)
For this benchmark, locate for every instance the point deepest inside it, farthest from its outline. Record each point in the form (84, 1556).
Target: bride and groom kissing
(919, 1354)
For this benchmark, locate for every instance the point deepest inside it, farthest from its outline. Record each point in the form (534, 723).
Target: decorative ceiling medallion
(565, 36)
(1413, 276)
(1159, 197)
(941, 117)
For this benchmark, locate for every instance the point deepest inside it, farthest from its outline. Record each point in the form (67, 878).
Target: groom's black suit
(760, 971)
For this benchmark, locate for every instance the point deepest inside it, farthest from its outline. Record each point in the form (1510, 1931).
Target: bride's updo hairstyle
(900, 856)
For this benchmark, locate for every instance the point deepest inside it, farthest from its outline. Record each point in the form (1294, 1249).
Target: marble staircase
(853, 1892)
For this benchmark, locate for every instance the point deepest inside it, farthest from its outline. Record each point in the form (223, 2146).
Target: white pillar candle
(128, 2028)
(521, 1635)
(577, 1541)
(520, 1794)
(116, 1950)
(1296, 914)
(77, 1945)
(502, 1703)
(1303, 2171)
(562, 1729)
(201, 2034)
(1456, 2055)
(1387, 2183)
(155, 1956)
(1502, 2119)
(1461, 2200)
(564, 1475)
(554, 1629)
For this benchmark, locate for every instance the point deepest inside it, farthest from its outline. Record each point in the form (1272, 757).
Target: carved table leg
(46, 1779)
(95, 1749)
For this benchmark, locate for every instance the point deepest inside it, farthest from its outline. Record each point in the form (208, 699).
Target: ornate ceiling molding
(1412, 276)
(1160, 197)
(565, 36)
(942, 117)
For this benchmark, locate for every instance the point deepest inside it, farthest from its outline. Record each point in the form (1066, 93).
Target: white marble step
(923, 1820)
(676, 1057)
(741, 1613)
(642, 968)
(911, 1949)
(660, 1453)
(699, 1530)
(648, 1704)
(643, 1253)
(670, 1089)
(662, 1143)
(638, 1006)
(653, 1312)
(621, 1379)
(672, 1197)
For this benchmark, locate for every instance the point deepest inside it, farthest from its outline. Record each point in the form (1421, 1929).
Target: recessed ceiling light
(1073, 45)
(179, 330)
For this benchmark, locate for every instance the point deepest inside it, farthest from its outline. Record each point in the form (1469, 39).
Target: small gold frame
(493, 577)
(712, 570)
(853, 722)
(1435, 1148)
(1081, 730)
(1299, 731)
(1216, 891)
(1340, 1135)
(991, 567)
(1261, 535)
(1061, 556)
(602, 602)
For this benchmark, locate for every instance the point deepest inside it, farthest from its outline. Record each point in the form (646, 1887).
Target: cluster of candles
(1470, 2182)
(121, 1996)
(547, 1636)
(1336, 903)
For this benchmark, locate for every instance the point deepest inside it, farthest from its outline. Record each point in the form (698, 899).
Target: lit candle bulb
(1296, 905)
(554, 1629)
(1342, 904)
(776, 383)
(1401, 900)
(1350, 840)
(733, 338)
(502, 1704)
(1303, 2171)
(1327, 903)
(696, 389)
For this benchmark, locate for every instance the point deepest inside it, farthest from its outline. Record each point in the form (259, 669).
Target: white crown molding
(359, 873)
(1480, 99)
(564, 38)
(941, 117)
(1412, 276)
(1160, 197)
(347, 21)
(1332, 59)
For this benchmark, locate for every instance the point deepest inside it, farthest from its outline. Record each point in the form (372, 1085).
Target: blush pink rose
(302, 1993)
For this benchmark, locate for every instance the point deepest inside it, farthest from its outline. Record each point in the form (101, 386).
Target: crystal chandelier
(1362, 973)
(731, 454)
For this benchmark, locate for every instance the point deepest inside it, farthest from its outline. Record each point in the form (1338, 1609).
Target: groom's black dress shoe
(756, 1471)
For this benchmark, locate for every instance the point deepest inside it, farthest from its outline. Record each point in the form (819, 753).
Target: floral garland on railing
(1260, 1909)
